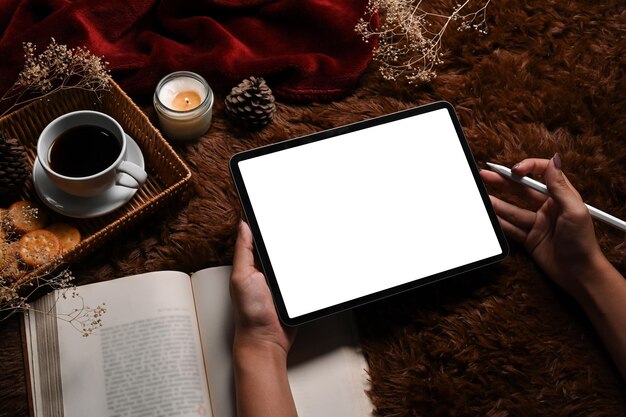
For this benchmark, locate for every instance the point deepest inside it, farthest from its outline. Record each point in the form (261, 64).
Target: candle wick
(186, 100)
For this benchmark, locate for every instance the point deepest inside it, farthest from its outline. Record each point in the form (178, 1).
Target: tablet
(364, 211)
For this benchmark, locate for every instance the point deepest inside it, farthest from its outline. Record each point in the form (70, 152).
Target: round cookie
(25, 217)
(38, 247)
(68, 235)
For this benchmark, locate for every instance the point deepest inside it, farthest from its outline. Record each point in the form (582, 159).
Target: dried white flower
(57, 67)
(409, 37)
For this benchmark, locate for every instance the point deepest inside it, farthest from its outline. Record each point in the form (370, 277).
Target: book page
(145, 360)
(327, 372)
(43, 359)
(212, 297)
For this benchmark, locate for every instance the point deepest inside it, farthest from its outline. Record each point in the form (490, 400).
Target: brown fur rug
(502, 341)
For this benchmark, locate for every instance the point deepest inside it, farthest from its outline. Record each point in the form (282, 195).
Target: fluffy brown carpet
(503, 341)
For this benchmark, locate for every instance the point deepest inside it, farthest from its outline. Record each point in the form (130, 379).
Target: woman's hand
(256, 321)
(557, 231)
(261, 343)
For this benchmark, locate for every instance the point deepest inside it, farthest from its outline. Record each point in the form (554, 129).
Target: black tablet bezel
(266, 263)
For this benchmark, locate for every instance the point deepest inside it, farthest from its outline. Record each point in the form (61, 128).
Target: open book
(165, 350)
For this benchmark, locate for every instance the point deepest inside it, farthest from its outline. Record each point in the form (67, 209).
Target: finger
(536, 167)
(571, 187)
(500, 183)
(531, 166)
(562, 190)
(495, 180)
(513, 231)
(243, 259)
(519, 217)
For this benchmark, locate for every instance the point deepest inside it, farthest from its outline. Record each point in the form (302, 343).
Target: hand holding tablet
(354, 214)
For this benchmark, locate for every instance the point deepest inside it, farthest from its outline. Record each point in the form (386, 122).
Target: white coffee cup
(118, 172)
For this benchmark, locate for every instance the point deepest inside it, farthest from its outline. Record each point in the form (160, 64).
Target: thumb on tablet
(243, 258)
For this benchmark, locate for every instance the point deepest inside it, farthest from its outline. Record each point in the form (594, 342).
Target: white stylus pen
(536, 185)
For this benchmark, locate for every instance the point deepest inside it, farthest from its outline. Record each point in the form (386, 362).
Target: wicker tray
(168, 176)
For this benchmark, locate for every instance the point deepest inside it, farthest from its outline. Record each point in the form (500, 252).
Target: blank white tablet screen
(362, 212)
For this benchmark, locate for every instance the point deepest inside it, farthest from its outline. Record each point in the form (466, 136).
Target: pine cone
(251, 102)
(14, 165)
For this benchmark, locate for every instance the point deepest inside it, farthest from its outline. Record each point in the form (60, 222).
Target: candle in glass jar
(184, 101)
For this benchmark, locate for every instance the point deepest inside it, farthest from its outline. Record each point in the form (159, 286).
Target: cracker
(38, 247)
(25, 217)
(68, 235)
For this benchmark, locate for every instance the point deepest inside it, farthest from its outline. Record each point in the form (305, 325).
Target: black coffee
(82, 151)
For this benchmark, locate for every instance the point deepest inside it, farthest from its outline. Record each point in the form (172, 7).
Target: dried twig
(409, 37)
(56, 68)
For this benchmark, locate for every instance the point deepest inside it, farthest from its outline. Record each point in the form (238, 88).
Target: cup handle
(137, 175)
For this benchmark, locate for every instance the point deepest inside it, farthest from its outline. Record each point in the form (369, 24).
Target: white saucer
(86, 207)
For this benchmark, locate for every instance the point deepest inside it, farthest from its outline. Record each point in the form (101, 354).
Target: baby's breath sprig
(84, 319)
(15, 294)
(58, 67)
(409, 37)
